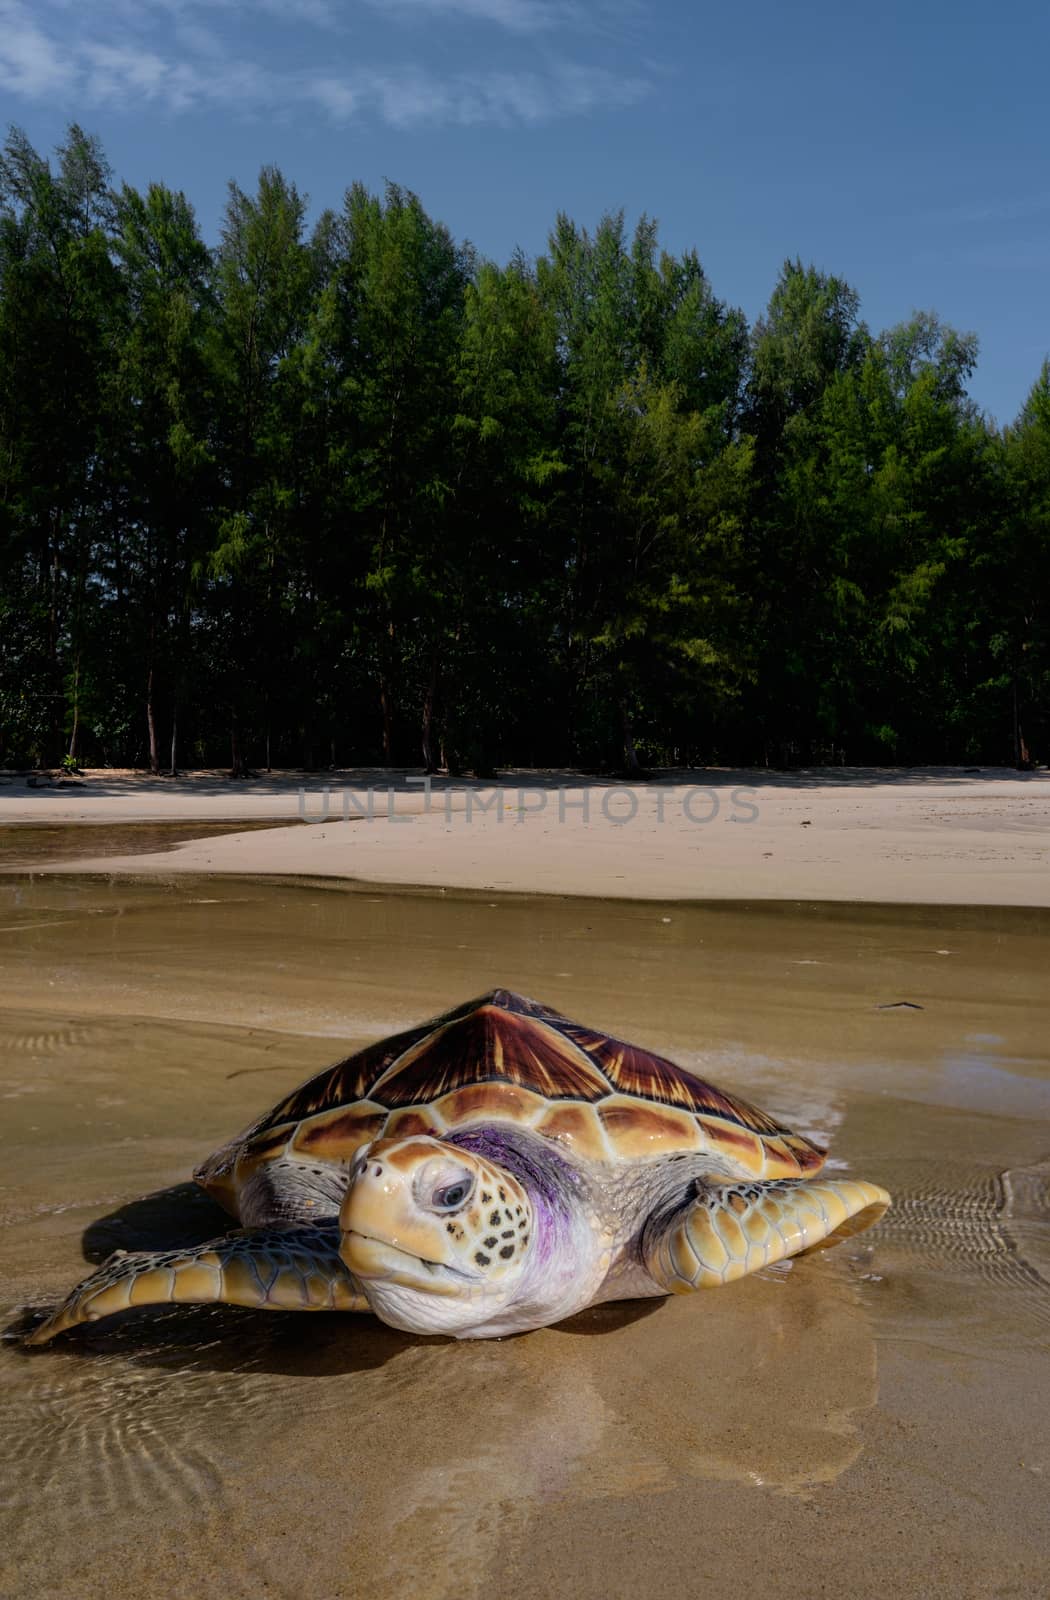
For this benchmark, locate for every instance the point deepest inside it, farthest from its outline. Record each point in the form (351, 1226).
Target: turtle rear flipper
(728, 1231)
(281, 1269)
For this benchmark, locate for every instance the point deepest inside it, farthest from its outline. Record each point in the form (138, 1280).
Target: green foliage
(349, 493)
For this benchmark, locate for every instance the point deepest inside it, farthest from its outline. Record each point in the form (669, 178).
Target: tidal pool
(873, 1422)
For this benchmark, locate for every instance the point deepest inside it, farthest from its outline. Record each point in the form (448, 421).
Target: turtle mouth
(377, 1260)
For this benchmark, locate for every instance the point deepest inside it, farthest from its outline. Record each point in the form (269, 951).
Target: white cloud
(519, 16)
(516, 16)
(412, 98)
(164, 54)
(335, 96)
(31, 63)
(1017, 208)
(322, 13)
(112, 72)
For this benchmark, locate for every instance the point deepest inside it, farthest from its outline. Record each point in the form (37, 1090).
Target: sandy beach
(226, 937)
(814, 1432)
(934, 836)
(161, 983)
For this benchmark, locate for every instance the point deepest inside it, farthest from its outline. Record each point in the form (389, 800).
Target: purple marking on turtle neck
(552, 1184)
(534, 1163)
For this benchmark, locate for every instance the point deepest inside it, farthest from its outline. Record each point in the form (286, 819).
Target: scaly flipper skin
(731, 1230)
(282, 1269)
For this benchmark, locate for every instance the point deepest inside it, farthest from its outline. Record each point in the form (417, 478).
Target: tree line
(350, 493)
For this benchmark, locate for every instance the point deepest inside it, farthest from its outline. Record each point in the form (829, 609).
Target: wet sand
(937, 836)
(870, 1423)
(47, 844)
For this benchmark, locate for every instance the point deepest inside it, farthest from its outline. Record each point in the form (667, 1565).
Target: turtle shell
(504, 1058)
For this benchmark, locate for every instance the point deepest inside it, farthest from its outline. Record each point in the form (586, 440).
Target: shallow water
(872, 1422)
(30, 844)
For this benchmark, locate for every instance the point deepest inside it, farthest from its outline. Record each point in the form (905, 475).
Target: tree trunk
(151, 724)
(387, 657)
(174, 741)
(1022, 759)
(567, 730)
(237, 768)
(54, 715)
(630, 754)
(388, 720)
(72, 752)
(429, 703)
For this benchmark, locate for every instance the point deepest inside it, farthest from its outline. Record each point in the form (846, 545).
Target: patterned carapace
(503, 1057)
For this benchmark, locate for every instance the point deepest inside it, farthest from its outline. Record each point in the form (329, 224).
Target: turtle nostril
(378, 1172)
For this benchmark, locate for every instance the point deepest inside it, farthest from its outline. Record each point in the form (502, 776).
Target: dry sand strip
(935, 837)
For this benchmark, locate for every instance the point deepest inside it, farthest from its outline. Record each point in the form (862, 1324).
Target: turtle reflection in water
(492, 1171)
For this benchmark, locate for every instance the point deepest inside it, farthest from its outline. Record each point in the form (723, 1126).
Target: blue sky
(904, 147)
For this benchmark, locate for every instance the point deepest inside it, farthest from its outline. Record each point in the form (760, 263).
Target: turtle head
(438, 1236)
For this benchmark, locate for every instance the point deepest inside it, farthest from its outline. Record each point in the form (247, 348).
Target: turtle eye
(450, 1196)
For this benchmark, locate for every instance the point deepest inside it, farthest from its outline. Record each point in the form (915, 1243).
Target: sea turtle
(491, 1171)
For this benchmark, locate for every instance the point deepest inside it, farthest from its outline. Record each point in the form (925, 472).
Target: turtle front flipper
(280, 1269)
(727, 1231)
